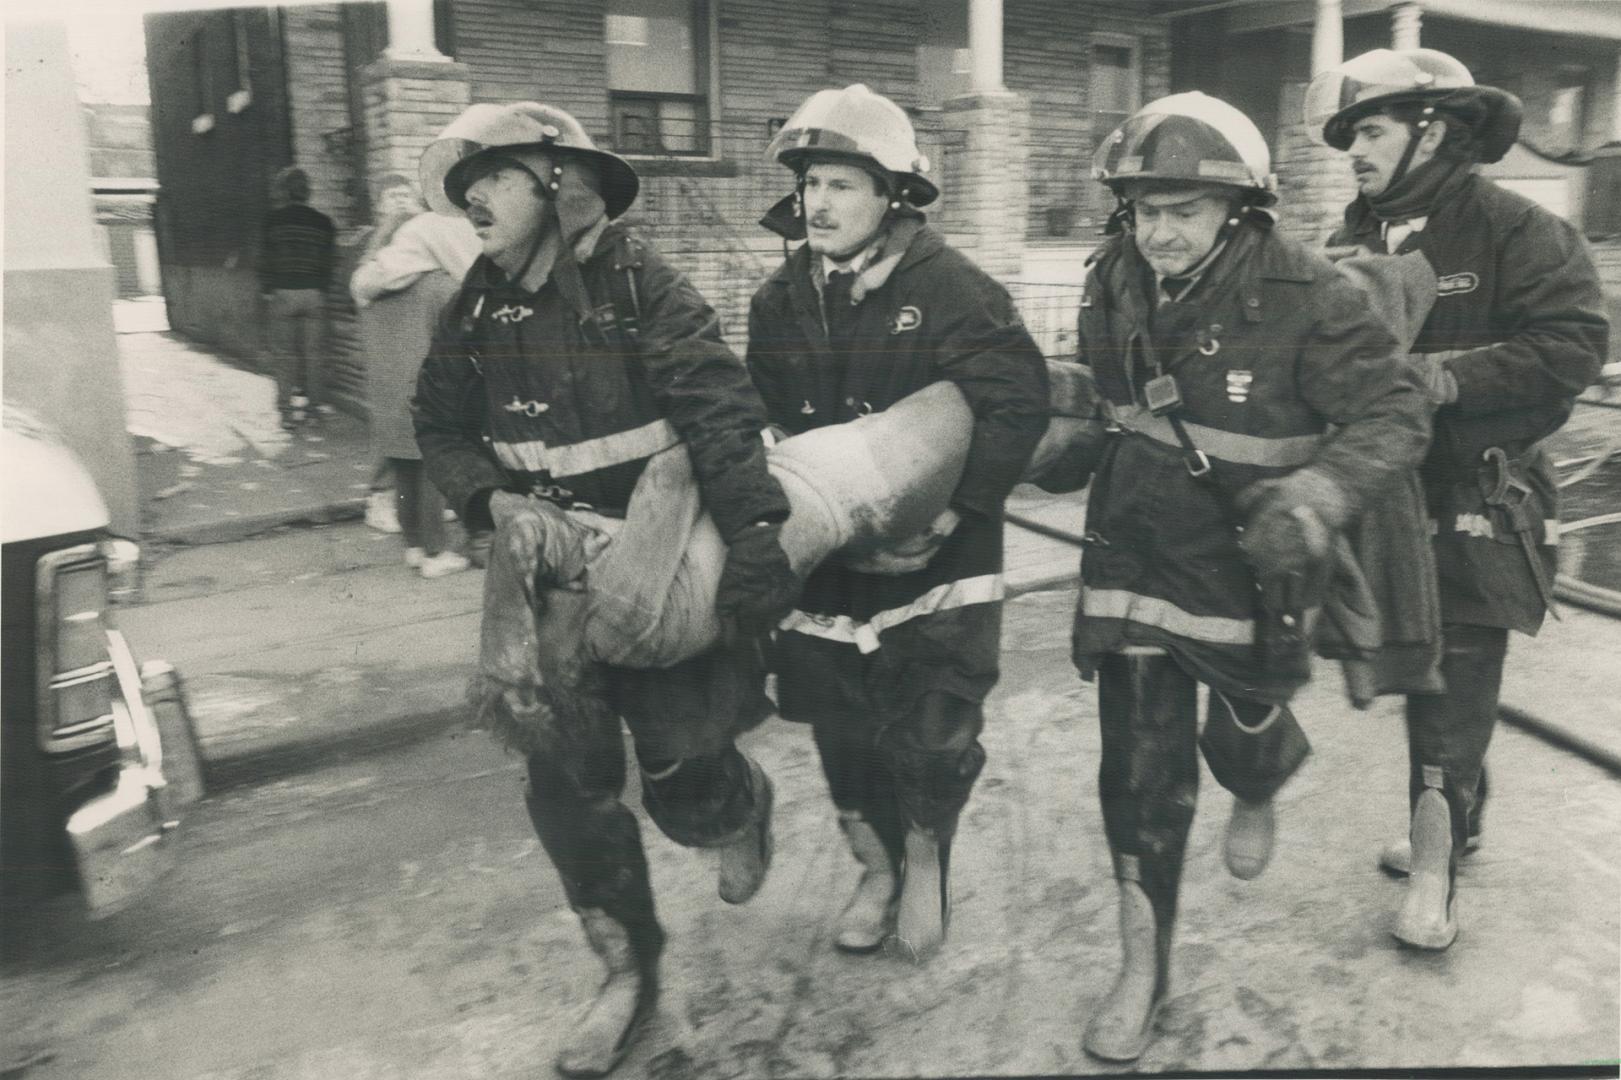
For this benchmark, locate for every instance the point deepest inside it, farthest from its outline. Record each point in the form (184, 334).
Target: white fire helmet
(514, 126)
(1367, 84)
(1189, 137)
(856, 124)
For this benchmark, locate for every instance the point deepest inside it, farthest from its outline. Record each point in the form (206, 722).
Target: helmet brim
(1496, 129)
(448, 167)
(916, 188)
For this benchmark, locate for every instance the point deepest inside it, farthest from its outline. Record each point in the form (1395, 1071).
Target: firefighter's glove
(758, 586)
(912, 553)
(1289, 523)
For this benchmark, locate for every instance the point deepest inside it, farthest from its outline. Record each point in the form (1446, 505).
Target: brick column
(988, 206)
(1315, 181)
(408, 102)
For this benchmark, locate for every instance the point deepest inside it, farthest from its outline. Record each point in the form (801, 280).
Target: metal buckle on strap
(1197, 462)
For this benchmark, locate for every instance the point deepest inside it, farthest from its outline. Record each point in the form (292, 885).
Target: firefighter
(572, 354)
(1224, 353)
(889, 659)
(1517, 330)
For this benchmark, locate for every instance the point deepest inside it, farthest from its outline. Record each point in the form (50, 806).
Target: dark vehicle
(84, 802)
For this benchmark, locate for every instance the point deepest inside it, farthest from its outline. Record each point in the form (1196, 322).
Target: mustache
(479, 214)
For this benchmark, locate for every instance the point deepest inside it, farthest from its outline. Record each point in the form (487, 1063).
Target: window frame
(706, 47)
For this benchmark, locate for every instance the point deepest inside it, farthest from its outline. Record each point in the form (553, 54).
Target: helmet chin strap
(1415, 135)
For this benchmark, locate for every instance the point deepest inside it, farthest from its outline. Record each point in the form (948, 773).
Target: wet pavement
(390, 916)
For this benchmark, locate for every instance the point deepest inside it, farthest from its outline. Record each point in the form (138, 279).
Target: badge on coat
(1238, 385)
(511, 313)
(1452, 284)
(907, 318)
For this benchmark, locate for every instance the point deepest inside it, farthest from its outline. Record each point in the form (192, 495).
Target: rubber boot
(1428, 918)
(628, 996)
(1395, 858)
(1248, 845)
(924, 911)
(1123, 1025)
(870, 915)
(745, 859)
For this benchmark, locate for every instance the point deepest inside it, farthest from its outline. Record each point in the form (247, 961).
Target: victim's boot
(746, 857)
(1252, 747)
(1148, 783)
(870, 915)
(1428, 918)
(1123, 1024)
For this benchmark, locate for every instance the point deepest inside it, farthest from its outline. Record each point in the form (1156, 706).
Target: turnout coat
(1518, 321)
(555, 393)
(1271, 348)
(931, 316)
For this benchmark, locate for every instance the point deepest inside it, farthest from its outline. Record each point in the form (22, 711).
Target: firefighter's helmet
(520, 125)
(1377, 80)
(1192, 138)
(857, 125)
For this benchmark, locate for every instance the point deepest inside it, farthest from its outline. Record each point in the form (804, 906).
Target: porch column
(1327, 36)
(408, 102)
(1615, 102)
(410, 32)
(1405, 20)
(985, 45)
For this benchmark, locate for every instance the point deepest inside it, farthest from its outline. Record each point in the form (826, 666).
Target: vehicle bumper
(124, 839)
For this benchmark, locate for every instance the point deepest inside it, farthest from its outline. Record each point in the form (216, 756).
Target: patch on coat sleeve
(907, 318)
(1452, 284)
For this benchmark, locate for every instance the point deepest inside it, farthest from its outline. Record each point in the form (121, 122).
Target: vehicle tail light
(76, 673)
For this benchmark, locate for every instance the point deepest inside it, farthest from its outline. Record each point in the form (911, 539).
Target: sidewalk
(212, 462)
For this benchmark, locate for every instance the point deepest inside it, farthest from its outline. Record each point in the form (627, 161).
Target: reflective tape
(576, 459)
(1164, 615)
(1480, 525)
(1290, 451)
(864, 635)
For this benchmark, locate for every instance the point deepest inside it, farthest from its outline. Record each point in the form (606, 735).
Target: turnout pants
(1447, 734)
(703, 798)
(897, 730)
(1148, 779)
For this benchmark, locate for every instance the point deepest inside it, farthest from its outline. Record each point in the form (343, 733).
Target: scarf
(1419, 192)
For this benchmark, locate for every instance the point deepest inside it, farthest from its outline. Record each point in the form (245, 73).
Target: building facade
(1010, 98)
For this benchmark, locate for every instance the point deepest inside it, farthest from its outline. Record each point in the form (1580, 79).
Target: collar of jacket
(881, 260)
(489, 277)
(1362, 222)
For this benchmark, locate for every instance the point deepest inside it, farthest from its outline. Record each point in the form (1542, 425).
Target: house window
(1115, 81)
(658, 75)
(944, 62)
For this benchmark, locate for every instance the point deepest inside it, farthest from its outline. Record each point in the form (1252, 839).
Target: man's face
(1175, 229)
(1377, 144)
(843, 209)
(508, 213)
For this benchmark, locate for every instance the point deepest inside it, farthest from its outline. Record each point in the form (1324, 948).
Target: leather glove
(912, 553)
(1289, 522)
(757, 586)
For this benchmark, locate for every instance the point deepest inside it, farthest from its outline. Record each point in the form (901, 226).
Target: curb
(227, 530)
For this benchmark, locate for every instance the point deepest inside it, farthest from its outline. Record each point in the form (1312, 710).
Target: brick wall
(1314, 181)
(318, 101)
